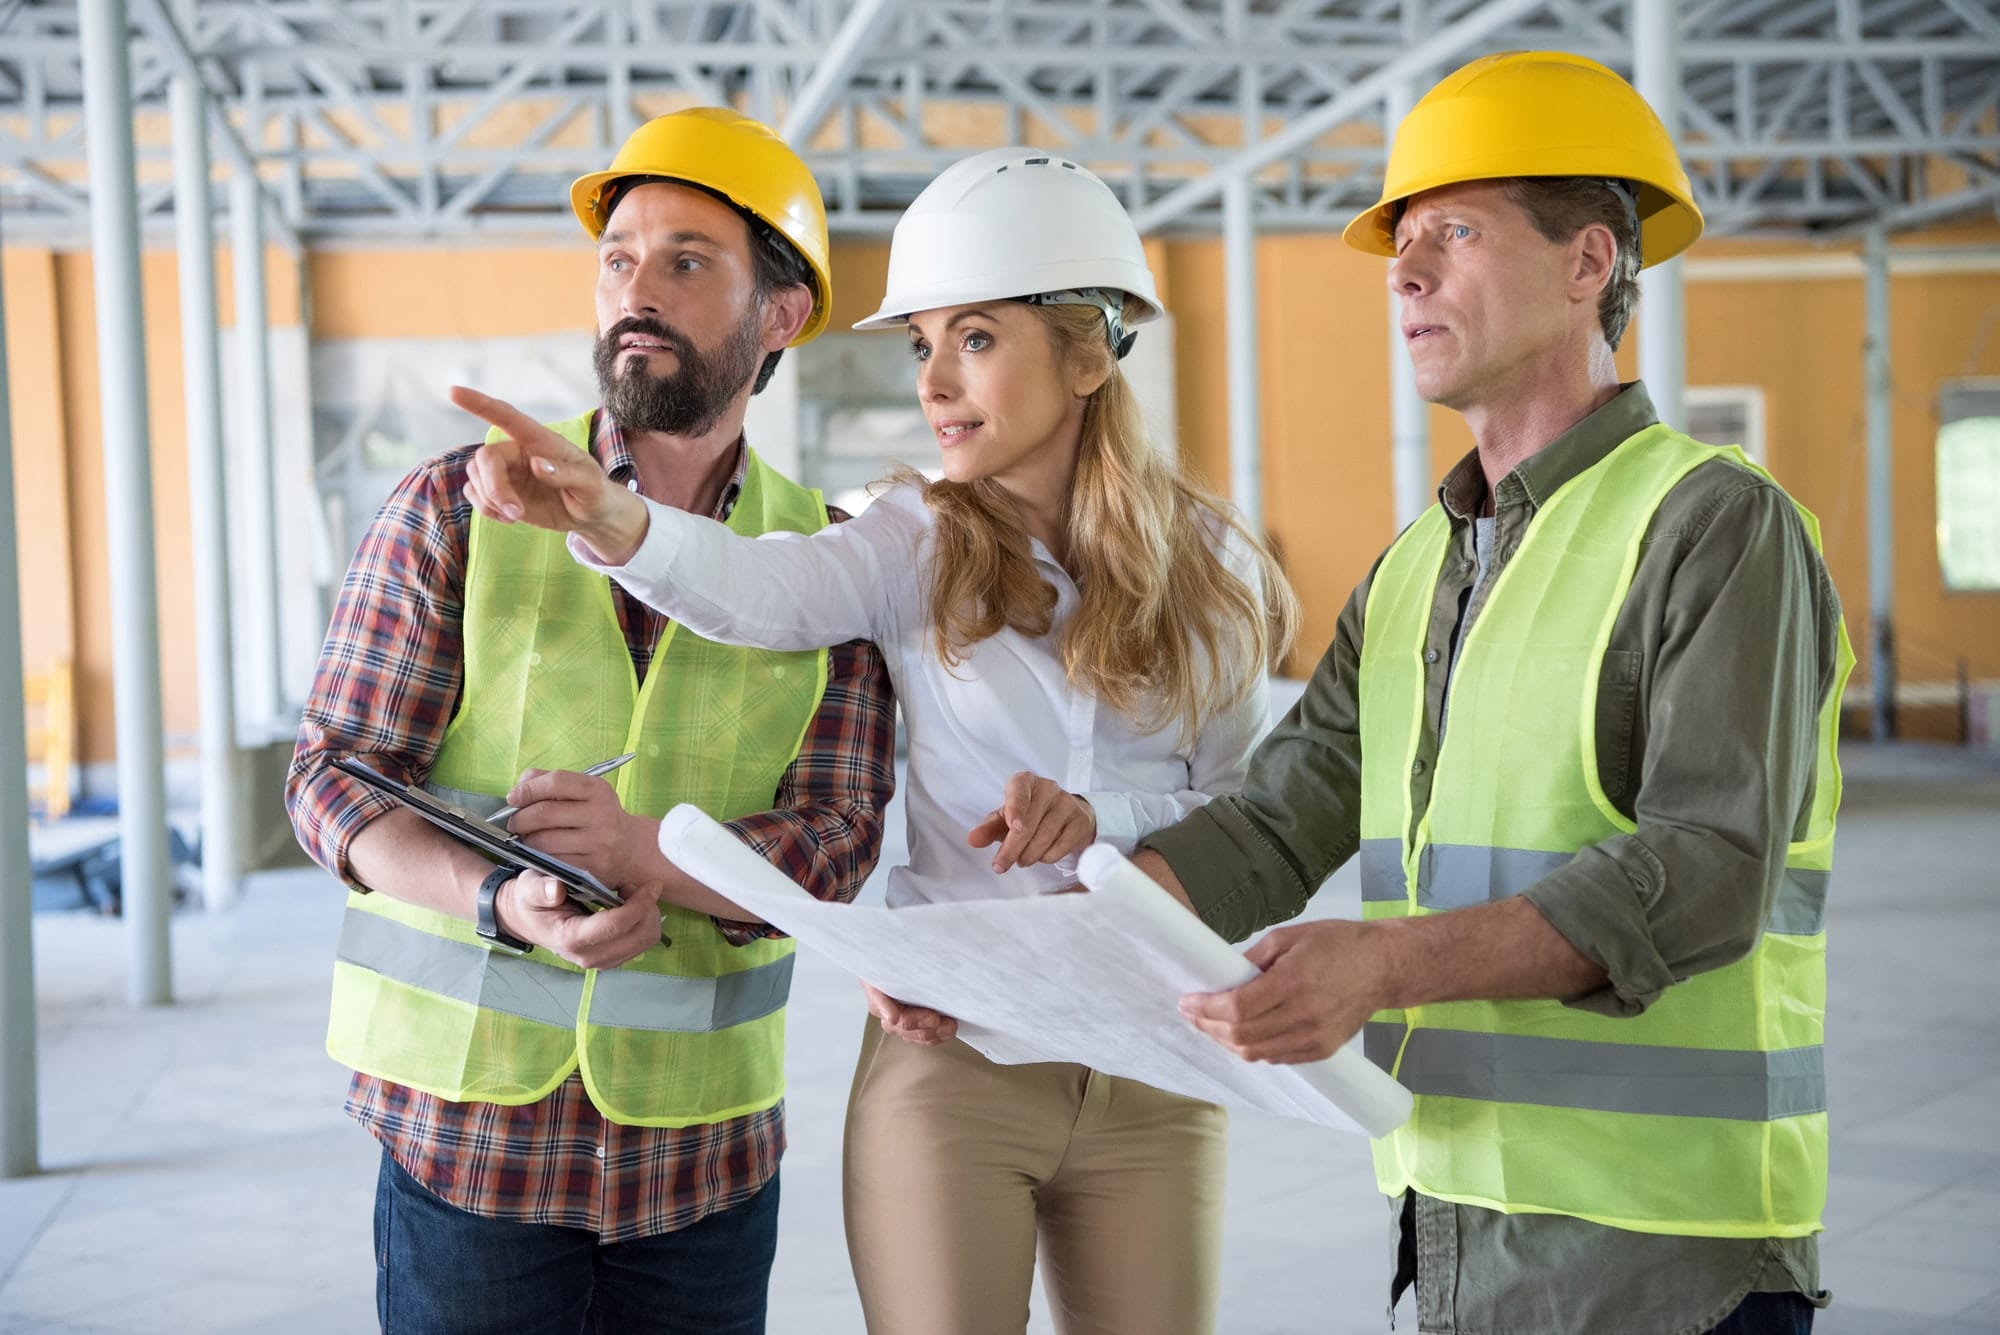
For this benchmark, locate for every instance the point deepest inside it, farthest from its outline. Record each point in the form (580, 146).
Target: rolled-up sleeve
(1744, 661)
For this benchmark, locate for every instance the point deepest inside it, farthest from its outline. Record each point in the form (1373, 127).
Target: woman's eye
(921, 351)
(974, 342)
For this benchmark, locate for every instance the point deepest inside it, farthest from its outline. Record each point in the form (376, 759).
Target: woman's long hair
(1165, 632)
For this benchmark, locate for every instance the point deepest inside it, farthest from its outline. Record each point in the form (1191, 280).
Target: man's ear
(786, 311)
(1594, 258)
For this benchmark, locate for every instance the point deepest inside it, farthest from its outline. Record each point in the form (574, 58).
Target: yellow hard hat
(1536, 113)
(738, 158)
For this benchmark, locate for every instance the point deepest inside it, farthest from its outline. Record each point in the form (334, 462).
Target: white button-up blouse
(1006, 707)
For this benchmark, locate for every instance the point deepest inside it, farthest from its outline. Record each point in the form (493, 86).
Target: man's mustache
(654, 329)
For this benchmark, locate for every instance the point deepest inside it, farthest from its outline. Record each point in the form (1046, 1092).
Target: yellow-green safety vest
(688, 1033)
(1706, 1114)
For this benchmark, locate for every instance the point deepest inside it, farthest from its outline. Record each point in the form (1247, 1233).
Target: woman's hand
(531, 475)
(913, 1024)
(1036, 821)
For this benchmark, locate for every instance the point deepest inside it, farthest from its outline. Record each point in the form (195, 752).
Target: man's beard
(689, 400)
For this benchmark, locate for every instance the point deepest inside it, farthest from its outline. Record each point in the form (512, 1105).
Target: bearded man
(581, 1114)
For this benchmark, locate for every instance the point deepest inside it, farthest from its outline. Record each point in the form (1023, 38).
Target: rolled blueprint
(1095, 979)
(1363, 1090)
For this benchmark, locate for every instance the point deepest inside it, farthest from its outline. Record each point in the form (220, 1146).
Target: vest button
(1416, 767)
(778, 670)
(534, 660)
(1430, 655)
(653, 749)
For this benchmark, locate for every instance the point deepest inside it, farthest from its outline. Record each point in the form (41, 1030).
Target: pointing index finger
(494, 412)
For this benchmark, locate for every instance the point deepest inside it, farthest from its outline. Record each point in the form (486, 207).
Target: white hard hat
(1017, 223)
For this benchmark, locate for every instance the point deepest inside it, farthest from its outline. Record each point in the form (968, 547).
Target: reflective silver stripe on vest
(1381, 870)
(1801, 906)
(1603, 1077)
(497, 981)
(629, 999)
(464, 972)
(1380, 1042)
(1457, 876)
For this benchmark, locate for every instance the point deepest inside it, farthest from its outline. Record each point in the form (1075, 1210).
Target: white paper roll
(1363, 1090)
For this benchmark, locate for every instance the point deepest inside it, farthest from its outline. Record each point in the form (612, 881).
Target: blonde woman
(1078, 640)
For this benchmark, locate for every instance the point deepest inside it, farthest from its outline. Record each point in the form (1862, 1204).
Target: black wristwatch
(489, 922)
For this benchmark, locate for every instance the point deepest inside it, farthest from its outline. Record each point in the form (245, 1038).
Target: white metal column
(128, 497)
(255, 456)
(1881, 488)
(1409, 415)
(1656, 60)
(1239, 263)
(208, 495)
(20, 1153)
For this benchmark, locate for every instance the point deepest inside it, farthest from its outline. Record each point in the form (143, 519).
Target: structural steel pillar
(256, 457)
(1881, 489)
(1656, 60)
(128, 500)
(20, 1154)
(1409, 415)
(208, 494)
(1239, 263)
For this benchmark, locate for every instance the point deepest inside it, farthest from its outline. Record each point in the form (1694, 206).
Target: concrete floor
(201, 1178)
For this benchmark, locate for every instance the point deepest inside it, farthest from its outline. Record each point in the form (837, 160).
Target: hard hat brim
(897, 308)
(1668, 223)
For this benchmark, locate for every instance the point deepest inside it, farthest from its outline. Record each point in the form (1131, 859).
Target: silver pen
(599, 770)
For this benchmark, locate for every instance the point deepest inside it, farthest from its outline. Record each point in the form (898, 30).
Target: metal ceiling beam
(183, 61)
(843, 53)
(1926, 211)
(1364, 94)
(373, 101)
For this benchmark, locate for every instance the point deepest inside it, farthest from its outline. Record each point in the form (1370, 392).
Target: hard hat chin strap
(1108, 300)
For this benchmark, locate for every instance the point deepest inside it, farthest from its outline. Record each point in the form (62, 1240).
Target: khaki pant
(956, 1167)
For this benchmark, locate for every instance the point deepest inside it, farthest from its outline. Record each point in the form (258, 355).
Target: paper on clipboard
(493, 842)
(1092, 978)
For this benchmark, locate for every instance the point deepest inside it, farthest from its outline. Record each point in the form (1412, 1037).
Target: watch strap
(488, 921)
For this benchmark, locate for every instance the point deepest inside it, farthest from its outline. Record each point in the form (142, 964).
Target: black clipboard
(490, 840)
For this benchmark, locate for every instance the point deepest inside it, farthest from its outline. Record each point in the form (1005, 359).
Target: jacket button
(1416, 767)
(1430, 655)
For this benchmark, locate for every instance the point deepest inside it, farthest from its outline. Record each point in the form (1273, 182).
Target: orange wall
(451, 293)
(41, 456)
(1323, 383)
(59, 473)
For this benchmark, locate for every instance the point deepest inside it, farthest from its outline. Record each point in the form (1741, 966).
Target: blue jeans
(442, 1271)
(1769, 1314)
